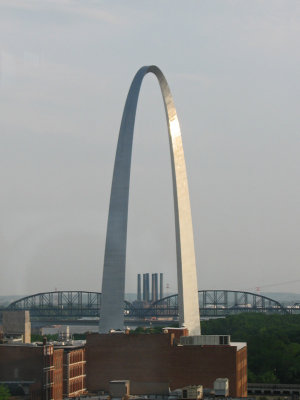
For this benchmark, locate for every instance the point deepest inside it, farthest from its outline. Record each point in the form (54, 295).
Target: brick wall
(152, 358)
(118, 356)
(74, 373)
(40, 364)
(242, 381)
(58, 374)
(21, 363)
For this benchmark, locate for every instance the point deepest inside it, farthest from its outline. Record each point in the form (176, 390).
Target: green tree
(273, 344)
(4, 393)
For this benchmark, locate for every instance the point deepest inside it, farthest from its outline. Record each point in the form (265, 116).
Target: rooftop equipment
(221, 387)
(205, 340)
(119, 388)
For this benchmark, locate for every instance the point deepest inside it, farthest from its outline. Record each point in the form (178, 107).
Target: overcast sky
(234, 71)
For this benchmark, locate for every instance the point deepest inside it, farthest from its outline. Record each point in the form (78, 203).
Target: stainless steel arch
(113, 283)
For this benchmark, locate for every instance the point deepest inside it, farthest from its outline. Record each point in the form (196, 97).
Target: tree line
(273, 344)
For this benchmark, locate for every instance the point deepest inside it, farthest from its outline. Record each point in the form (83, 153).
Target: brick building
(159, 358)
(50, 372)
(40, 367)
(74, 371)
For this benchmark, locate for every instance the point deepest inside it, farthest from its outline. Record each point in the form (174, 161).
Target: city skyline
(233, 68)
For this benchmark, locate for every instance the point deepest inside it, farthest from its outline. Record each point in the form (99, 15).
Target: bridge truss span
(63, 304)
(217, 303)
(68, 305)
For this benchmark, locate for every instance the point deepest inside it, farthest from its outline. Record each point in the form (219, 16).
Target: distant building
(17, 326)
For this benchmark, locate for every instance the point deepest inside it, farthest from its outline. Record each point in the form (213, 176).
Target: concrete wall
(153, 358)
(17, 323)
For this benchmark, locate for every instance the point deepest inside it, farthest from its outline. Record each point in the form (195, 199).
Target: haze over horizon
(65, 70)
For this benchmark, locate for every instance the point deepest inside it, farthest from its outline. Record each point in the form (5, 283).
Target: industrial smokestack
(144, 287)
(154, 287)
(161, 285)
(146, 290)
(139, 288)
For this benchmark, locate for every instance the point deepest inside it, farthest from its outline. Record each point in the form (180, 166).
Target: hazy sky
(234, 70)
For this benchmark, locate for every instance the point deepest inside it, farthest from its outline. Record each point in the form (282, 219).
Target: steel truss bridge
(76, 305)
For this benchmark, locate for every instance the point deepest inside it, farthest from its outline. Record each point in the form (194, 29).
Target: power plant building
(156, 287)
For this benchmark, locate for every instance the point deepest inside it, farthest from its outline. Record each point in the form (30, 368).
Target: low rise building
(149, 360)
(74, 371)
(40, 366)
(47, 371)
(16, 326)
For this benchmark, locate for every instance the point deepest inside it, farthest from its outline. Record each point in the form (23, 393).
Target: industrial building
(150, 361)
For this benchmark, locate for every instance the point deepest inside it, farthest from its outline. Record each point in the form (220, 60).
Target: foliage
(80, 336)
(142, 330)
(273, 344)
(39, 338)
(4, 393)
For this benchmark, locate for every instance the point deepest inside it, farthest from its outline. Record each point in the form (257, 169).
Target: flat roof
(239, 345)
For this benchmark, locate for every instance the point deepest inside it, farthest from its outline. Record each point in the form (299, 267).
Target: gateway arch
(113, 282)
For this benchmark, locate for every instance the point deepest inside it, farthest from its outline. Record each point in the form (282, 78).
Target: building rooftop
(239, 345)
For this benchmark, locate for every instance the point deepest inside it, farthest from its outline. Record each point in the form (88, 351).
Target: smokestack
(154, 287)
(139, 289)
(147, 288)
(144, 287)
(146, 296)
(161, 285)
